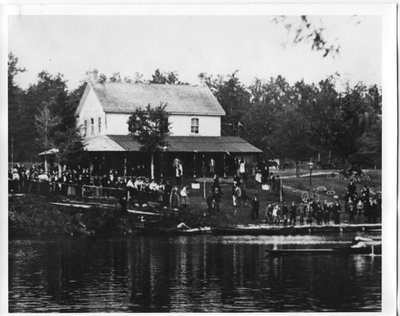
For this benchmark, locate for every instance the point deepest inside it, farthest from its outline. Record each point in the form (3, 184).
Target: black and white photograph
(200, 158)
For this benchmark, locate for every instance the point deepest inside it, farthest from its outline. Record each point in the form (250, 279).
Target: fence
(67, 189)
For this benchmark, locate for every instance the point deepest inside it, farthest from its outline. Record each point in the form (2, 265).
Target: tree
(169, 77)
(150, 127)
(233, 97)
(45, 124)
(15, 95)
(116, 77)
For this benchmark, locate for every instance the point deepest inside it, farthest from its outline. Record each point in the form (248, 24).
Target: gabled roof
(180, 99)
(231, 144)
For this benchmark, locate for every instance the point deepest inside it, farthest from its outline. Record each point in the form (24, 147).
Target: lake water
(189, 274)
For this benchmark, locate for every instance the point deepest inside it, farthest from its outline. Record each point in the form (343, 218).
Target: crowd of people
(361, 208)
(79, 182)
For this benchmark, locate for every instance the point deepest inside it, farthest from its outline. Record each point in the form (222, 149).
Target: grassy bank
(32, 215)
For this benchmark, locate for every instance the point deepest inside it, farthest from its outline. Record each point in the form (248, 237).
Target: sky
(189, 45)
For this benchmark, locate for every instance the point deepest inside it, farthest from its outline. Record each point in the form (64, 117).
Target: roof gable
(180, 99)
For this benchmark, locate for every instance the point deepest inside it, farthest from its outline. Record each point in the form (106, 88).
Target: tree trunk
(152, 166)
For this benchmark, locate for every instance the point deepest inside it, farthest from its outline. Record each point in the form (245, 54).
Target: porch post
(224, 165)
(125, 162)
(194, 163)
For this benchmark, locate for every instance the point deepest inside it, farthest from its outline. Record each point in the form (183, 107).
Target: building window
(92, 126)
(194, 126)
(99, 125)
(85, 128)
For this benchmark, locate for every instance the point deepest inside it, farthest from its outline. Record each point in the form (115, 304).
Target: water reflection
(187, 274)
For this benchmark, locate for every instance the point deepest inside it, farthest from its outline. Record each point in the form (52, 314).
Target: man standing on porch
(178, 172)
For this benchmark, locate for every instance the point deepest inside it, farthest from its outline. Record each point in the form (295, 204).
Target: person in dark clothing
(236, 179)
(365, 193)
(285, 213)
(374, 209)
(367, 210)
(327, 212)
(210, 203)
(319, 213)
(105, 183)
(119, 185)
(123, 203)
(352, 188)
(336, 209)
(293, 214)
(255, 207)
(167, 193)
(217, 193)
(273, 182)
(216, 185)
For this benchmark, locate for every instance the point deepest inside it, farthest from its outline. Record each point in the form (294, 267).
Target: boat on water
(360, 246)
(295, 230)
(180, 230)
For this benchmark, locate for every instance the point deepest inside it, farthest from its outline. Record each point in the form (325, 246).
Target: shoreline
(32, 215)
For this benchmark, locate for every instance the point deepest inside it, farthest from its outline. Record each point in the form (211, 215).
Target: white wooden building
(195, 126)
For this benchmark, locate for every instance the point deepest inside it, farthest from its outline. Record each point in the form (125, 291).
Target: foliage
(169, 77)
(302, 120)
(14, 105)
(150, 127)
(308, 30)
(45, 123)
(289, 121)
(43, 115)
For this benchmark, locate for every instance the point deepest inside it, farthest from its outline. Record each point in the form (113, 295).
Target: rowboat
(174, 231)
(361, 246)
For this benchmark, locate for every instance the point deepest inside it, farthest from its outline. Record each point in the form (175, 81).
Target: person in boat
(255, 206)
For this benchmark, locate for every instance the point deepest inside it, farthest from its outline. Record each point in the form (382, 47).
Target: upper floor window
(99, 123)
(194, 126)
(85, 128)
(92, 126)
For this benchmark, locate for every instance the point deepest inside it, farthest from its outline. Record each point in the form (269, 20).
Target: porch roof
(231, 144)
